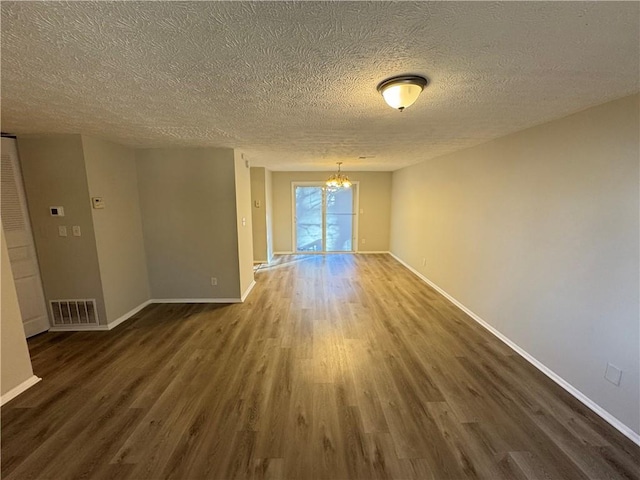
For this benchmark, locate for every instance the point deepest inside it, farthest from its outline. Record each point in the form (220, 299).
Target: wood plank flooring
(336, 367)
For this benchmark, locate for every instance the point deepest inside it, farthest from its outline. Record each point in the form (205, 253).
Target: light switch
(244, 222)
(62, 231)
(76, 231)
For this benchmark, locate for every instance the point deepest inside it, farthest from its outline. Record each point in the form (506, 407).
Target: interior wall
(268, 202)
(243, 221)
(111, 174)
(188, 206)
(258, 214)
(54, 174)
(16, 367)
(537, 233)
(374, 205)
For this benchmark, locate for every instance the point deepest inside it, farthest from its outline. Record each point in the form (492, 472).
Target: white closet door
(22, 252)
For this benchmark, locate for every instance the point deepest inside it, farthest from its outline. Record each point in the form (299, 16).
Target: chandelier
(338, 179)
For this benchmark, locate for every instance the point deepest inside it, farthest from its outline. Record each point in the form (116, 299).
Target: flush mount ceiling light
(400, 92)
(338, 179)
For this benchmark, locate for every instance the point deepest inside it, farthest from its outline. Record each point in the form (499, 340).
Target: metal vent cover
(74, 312)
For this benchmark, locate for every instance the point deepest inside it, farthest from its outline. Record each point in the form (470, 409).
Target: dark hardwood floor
(336, 367)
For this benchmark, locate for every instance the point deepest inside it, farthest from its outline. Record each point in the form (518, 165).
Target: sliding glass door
(323, 218)
(339, 220)
(309, 218)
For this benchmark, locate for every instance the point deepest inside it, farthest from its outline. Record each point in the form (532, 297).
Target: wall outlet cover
(613, 374)
(97, 202)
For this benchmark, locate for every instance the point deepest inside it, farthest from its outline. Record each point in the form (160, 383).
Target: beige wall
(243, 221)
(54, 175)
(16, 364)
(111, 174)
(188, 205)
(538, 234)
(259, 214)
(374, 202)
(268, 197)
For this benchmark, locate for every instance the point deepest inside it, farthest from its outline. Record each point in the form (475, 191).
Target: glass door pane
(339, 220)
(309, 224)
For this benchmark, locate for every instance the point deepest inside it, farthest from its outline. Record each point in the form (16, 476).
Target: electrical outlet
(613, 374)
(62, 231)
(214, 281)
(364, 240)
(76, 230)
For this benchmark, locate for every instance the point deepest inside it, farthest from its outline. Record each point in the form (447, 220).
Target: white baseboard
(609, 418)
(196, 300)
(24, 386)
(248, 291)
(367, 252)
(80, 328)
(283, 253)
(127, 315)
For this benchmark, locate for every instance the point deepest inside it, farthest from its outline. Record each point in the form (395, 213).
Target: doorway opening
(324, 218)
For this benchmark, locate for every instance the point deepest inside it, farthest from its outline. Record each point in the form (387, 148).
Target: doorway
(324, 218)
(20, 245)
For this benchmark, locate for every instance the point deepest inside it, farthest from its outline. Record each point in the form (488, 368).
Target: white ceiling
(293, 85)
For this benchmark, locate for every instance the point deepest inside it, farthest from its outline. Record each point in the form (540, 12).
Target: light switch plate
(62, 231)
(76, 230)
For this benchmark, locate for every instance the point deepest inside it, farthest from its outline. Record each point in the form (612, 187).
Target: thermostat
(57, 211)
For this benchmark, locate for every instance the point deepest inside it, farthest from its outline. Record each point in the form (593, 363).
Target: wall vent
(74, 312)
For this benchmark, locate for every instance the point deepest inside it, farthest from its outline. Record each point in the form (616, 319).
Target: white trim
(613, 421)
(196, 300)
(80, 328)
(282, 253)
(373, 251)
(128, 315)
(23, 387)
(248, 291)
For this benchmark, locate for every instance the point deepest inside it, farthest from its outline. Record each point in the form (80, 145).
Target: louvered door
(22, 253)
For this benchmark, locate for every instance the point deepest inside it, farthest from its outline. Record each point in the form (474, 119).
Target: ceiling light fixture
(400, 92)
(338, 179)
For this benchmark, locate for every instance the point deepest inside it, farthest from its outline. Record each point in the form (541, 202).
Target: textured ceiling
(293, 85)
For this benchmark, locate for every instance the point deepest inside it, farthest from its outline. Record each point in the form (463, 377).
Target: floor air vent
(74, 312)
